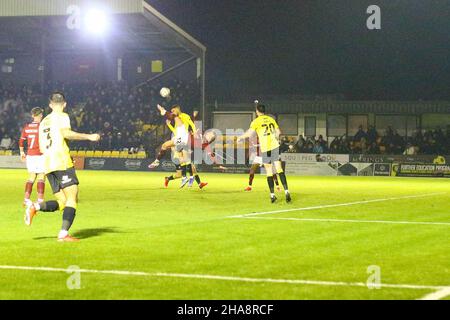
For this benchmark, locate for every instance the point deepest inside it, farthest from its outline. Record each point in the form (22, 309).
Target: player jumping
(53, 132)
(268, 133)
(33, 157)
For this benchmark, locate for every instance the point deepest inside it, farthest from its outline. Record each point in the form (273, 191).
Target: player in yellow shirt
(54, 130)
(268, 133)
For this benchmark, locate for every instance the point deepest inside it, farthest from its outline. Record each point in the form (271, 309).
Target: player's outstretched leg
(33, 208)
(251, 177)
(201, 184)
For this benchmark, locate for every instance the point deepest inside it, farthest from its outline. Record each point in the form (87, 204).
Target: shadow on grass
(87, 233)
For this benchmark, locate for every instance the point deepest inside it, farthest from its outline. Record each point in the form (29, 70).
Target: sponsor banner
(225, 168)
(366, 158)
(422, 170)
(12, 162)
(312, 169)
(382, 169)
(116, 164)
(313, 157)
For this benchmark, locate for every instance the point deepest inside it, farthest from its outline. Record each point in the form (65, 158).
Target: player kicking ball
(268, 133)
(33, 157)
(54, 130)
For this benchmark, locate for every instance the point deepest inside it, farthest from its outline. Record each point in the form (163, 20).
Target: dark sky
(320, 46)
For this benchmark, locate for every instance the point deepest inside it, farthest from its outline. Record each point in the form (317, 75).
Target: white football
(165, 92)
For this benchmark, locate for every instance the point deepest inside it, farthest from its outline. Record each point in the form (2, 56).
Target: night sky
(320, 47)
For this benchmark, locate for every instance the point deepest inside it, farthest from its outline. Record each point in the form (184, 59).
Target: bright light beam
(96, 22)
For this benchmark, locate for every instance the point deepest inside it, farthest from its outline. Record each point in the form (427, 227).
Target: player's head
(57, 101)
(176, 110)
(37, 114)
(260, 110)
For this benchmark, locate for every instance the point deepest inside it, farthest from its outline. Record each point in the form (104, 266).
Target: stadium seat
(115, 154)
(123, 154)
(89, 154)
(106, 154)
(142, 155)
(98, 154)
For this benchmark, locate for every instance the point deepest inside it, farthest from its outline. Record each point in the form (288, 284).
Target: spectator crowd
(369, 141)
(125, 116)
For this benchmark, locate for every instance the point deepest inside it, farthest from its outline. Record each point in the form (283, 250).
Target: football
(164, 92)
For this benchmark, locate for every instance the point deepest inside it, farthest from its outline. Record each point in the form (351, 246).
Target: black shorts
(60, 180)
(271, 156)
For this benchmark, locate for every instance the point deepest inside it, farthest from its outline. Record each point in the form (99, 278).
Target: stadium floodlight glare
(96, 21)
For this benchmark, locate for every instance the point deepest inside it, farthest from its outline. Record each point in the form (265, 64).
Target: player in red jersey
(33, 157)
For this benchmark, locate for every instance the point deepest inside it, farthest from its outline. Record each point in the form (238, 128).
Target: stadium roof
(136, 26)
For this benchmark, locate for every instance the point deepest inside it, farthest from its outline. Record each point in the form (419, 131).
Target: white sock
(62, 234)
(286, 191)
(272, 195)
(37, 206)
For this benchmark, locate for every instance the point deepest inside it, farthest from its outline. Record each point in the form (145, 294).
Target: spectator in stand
(6, 142)
(360, 134)
(411, 150)
(318, 148)
(372, 135)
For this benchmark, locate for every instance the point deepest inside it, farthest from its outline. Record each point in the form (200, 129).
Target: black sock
(271, 184)
(49, 206)
(189, 169)
(170, 178)
(68, 217)
(275, 178)
(250, 179)
(283, 180)
(183, 171)
(197, 179)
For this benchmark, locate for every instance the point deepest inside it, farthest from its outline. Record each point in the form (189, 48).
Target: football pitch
(340, 238)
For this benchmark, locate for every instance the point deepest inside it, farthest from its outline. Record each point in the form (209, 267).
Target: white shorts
(36, 164)
(181, 142)
(258, 160)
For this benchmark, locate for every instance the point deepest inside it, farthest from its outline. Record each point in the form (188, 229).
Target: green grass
(128, 222)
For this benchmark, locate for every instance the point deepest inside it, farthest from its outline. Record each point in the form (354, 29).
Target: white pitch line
(224, 278)
(352, 221)
(337, 205)
(438, 295)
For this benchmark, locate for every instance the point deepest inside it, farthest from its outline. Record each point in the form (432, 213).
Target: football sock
(49, 206)
(271, 185)
(171, 178)
(41, 189)
(28, 189)
(284, 181)
(183, 171)
(275, 178)
(189, 169)
(68, 217)
(250, 179)
(197, 179)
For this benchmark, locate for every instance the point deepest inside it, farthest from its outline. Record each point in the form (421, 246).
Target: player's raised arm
(246, 135)
(72, 135)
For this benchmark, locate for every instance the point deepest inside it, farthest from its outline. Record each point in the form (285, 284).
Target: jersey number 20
(269, 129)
